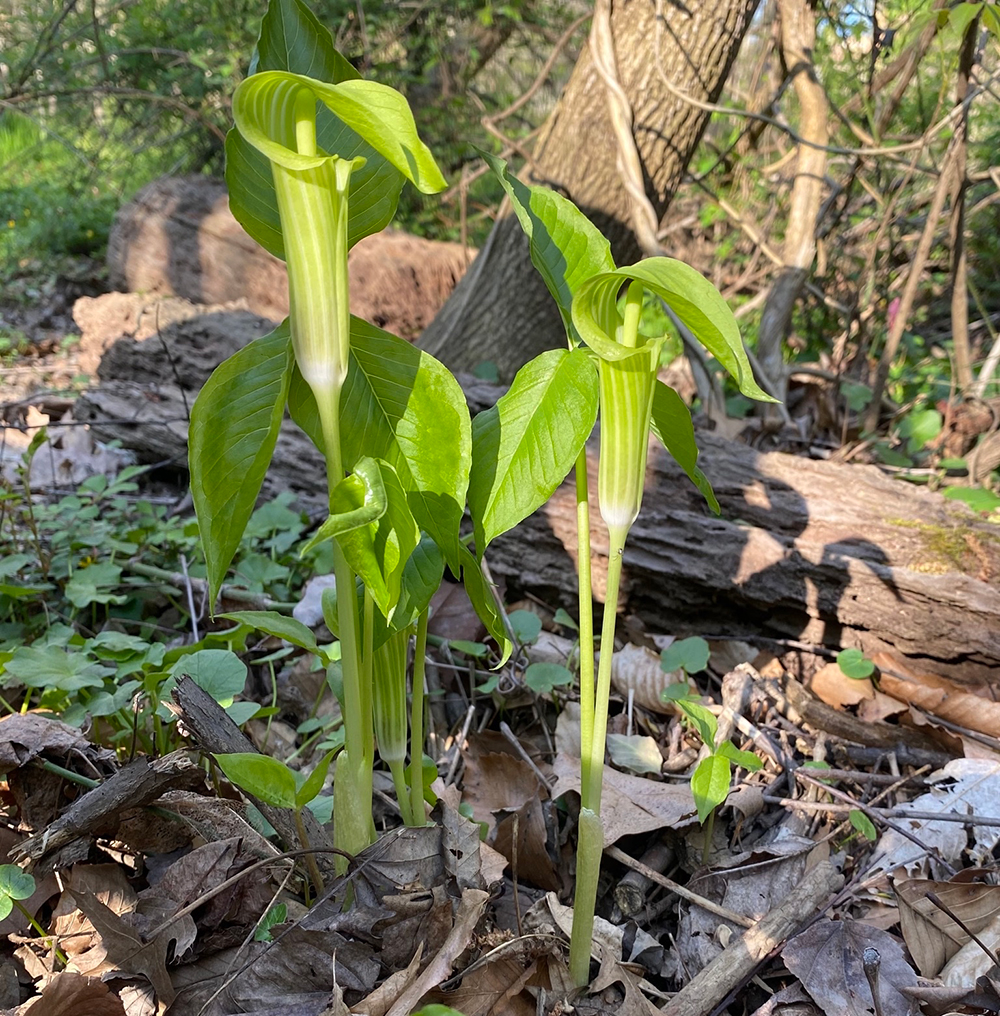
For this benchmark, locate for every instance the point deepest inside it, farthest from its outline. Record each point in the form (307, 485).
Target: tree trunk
(956, 225)
(502, 311)
(798, 41)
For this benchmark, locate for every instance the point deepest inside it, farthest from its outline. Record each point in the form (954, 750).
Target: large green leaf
(485, 602)
(671, 423)
(401, 405)
(421, 579)
(234, 427)
(566, 247)
(279, 625)
(695, 301)
(523, 447)
(293, 40)
(264, 777)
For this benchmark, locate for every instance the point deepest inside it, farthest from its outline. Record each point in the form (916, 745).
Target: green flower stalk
(390, 713)
(627, 373)
(276, 112)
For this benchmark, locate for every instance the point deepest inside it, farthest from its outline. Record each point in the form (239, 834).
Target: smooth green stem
(367, 664)
(417, 723)
(590, 794)
(590, 844)
(633, 312)
(398, 770)
(590, 847)
(60, 955)
(352, 783)
(586, 604)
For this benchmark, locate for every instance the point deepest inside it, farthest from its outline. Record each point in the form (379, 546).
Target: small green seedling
(855, 664)
(711, 779)
(276, 784)
(690, 655)
(863, 824)
(276, 915)
(17, 885)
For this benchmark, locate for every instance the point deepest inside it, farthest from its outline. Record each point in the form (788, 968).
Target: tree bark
(798, 41)
(956, 224)
(502, 311)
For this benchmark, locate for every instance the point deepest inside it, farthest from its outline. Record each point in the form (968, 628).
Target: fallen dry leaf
(827, 959)
(631, 804)
(832, 686)
(933, 937)
(439, 968)
(382, 998)
(127, 952)
(971, 962)
(496, 987)
(607, 948)
(938, 696)
(71, 994)
(637, 669)
(790, 1001)
(24, 737)
(964, 787)
(505, 793)
(567, 734)
(468, 860)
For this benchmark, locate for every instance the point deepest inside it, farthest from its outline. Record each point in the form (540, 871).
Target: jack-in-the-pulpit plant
(315, 162)
(614, 371)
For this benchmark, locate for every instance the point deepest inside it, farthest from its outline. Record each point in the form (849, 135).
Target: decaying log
(828, 553)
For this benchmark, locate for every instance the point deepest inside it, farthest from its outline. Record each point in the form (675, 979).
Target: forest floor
(853, 872)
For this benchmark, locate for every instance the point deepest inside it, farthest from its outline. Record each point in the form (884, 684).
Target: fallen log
(821, 552)
(827, 553)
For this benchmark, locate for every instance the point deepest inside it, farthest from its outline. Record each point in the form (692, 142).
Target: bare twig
(676, 887)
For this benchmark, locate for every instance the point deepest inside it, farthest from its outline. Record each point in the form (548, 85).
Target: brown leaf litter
(159, 885)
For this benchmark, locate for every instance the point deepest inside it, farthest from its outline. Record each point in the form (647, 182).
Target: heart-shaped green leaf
(234, 428)
(523, 447)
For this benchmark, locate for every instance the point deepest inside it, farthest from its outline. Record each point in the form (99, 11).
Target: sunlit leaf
(710, 784)
(234, 428)
(671, 423)
(264, 777)
(523, 447)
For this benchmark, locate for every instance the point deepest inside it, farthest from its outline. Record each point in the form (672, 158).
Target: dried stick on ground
(742, 957)
(213, 731)
(139, 783)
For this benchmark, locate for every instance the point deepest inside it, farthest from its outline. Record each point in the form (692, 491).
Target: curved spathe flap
(266, 105)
